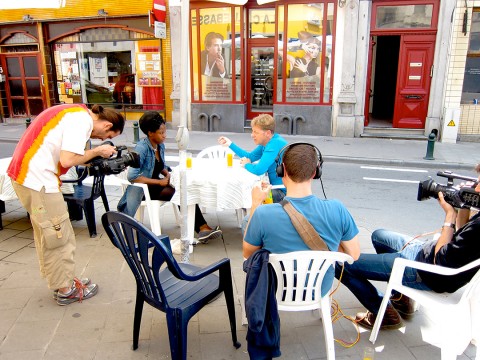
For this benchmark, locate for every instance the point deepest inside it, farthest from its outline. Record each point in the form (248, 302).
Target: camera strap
(306, 231)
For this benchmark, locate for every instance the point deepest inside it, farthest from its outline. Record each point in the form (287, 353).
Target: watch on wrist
(449, 224)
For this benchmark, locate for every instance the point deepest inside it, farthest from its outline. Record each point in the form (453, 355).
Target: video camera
(459, 197)
(115, 165)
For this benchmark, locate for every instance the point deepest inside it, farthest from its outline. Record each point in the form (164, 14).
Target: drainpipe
(214, 117)
(297, 118)
(289, 118)
(203, 116)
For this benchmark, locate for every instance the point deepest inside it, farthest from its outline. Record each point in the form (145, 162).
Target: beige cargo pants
(53, 234)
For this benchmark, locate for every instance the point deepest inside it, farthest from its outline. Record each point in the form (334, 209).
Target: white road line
(391, 180)
(392, 169)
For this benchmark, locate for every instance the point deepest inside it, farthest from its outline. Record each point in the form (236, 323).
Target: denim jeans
(378, 267)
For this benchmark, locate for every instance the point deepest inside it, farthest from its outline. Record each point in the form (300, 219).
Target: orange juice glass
(189, 161)
(229, 160)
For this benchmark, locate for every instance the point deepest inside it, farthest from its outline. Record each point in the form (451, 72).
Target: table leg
(191, 223)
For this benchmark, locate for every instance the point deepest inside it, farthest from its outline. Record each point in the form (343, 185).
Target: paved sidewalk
(33, 327)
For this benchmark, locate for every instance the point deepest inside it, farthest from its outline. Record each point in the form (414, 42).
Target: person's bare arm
(69, 159)
(450, 217)
(249, 249)
(351, 247)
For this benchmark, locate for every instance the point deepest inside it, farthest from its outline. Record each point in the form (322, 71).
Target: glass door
(24, 85)
(260, 83)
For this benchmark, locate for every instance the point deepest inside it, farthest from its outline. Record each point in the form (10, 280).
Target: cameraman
(54, 142)
(457, 246)
(153, 171)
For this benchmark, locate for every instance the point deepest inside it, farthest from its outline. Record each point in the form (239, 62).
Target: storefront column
(176, 38)
(348, 97)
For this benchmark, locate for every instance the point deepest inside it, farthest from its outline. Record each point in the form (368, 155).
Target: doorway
(384, 80)
(260, 75)
(399, 77)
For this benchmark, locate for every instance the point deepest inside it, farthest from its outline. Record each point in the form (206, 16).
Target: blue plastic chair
(179, 290)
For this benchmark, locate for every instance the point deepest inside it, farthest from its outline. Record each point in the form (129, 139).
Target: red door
(413, 81)
(24, 84)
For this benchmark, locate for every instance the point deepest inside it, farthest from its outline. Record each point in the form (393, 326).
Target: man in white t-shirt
(54, 142)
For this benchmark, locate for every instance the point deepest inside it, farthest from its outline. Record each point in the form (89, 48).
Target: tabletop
(211, 183)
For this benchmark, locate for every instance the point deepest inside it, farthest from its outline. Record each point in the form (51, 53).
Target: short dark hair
(300, 162)
(150, 121)
(106, 114)
(210, 36)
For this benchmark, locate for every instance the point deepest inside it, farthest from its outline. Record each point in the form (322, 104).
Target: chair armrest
(197, 275)
(400, 265)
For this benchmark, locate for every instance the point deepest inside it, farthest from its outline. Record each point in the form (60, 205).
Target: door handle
(43, 81)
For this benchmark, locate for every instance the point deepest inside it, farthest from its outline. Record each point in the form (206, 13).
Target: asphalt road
(383, 197)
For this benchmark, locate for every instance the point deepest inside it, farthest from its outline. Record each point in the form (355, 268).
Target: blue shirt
(266, 156)
(271, 228)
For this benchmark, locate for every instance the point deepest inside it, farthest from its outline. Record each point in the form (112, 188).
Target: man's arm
(350, 247)
(259, 194)
(69, 159)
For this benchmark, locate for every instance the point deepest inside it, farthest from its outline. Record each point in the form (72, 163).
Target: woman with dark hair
(153, 171)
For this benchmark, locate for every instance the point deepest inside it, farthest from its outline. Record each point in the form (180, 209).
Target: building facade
(344, 68)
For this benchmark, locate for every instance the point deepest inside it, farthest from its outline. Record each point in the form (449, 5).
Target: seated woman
(153, 171)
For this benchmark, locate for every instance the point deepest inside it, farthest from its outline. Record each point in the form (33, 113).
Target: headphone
(278, 160)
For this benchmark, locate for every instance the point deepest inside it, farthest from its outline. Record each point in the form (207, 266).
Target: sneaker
(206, 235)
(78, 293)
(391, 319)
(84, 281)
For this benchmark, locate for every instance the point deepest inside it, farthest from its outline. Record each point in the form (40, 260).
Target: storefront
(276, 59)
(106, 56)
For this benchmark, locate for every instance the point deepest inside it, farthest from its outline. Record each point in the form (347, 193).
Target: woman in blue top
(153, 171)
(262, 159)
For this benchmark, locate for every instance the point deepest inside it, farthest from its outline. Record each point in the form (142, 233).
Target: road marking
(391, 180)
(392, 169)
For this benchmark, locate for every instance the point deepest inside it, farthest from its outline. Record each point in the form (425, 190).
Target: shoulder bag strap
(306, 231)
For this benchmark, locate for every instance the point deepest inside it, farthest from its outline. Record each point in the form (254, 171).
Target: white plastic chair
(299, 278)
(215, 152)
(220, 152)
(453, 315)
(153, 206)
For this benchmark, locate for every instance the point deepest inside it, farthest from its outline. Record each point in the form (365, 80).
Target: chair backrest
(215, 152)
(134, 240)
(98, 186)
(300, 275)
(474, 284)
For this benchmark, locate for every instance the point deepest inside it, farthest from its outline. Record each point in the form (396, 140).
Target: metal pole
(182, 136)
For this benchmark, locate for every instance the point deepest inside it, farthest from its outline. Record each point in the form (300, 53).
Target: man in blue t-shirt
(262, 159)
(270, 226)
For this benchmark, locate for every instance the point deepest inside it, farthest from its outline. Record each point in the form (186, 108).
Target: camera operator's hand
(225, 141)
(105, 151)
(450, 213)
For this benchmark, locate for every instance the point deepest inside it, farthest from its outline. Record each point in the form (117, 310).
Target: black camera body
(462, 198)
(115, 165)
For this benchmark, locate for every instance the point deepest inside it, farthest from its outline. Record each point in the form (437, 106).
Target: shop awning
(31, 4)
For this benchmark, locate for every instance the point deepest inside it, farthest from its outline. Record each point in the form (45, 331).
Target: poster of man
(212, 62)
(306, 65)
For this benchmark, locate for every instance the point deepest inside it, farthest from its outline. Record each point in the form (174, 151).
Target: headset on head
(279, 159)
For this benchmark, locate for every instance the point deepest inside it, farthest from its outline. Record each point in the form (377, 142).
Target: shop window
(471, 81)
(404, 16)
(308, 53)
(216, 54)
(120, 74)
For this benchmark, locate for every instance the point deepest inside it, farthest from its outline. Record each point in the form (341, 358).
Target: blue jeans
(378, 267)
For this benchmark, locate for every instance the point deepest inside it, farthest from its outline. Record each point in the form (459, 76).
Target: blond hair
(264, 122)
